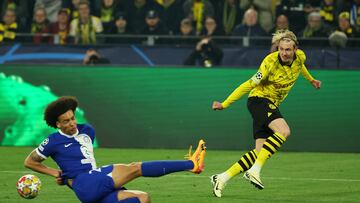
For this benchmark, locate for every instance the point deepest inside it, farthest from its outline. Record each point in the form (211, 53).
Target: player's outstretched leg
(195, 164)
(219, 181)
(124, 173)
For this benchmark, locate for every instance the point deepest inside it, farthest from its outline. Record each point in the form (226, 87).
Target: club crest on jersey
(86, 139)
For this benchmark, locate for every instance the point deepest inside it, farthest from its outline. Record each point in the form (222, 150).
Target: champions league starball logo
(258, 75)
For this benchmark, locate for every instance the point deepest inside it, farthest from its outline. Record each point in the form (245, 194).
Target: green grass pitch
(288, 177)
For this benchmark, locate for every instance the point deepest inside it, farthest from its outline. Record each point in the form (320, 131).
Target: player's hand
(316, 84)
(58, 179)
(217, 106)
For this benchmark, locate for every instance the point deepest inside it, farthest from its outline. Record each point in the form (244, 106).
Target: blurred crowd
(81, 21)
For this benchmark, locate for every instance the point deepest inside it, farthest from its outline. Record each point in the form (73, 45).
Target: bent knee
(144, 197)
(285, 132)
(135, 167)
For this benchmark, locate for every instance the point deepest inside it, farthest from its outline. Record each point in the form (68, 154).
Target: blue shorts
(94, 185)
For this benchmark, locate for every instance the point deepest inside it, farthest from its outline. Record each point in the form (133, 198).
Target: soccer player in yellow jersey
(277, 74)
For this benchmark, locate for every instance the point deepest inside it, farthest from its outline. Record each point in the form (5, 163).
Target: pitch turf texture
(288, 177)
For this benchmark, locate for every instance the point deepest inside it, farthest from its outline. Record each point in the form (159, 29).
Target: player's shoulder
(272, 57)
(300, 54)
(52, 139)
(86, 128)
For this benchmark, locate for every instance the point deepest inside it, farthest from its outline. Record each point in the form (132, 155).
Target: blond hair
(285, 35)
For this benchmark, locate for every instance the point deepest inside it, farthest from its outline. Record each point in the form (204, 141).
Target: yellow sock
(271, 145)
(245, 162)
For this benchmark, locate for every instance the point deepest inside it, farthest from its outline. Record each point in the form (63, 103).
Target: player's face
(287, 51)
(67, 123)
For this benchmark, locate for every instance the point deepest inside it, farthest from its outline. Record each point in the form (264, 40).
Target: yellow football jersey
(273, 80)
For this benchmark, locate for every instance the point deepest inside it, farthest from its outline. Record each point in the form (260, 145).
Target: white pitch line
(265, 177)
(281, 178)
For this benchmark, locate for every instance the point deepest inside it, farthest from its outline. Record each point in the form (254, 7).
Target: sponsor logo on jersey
(279, 86)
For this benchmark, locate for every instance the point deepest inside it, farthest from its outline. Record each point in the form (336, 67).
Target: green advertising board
(171, 107)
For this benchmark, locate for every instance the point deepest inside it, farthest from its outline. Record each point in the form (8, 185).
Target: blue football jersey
(74, 154)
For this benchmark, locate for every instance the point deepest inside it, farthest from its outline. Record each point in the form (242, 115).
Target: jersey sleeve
(302, 57)
(247, 86)
(263, 71)
(243, 89)
(306, 73)
(46, 148)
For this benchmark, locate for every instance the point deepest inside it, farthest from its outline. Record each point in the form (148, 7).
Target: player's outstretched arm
(307, 75)
(33, 162)
(217, 106)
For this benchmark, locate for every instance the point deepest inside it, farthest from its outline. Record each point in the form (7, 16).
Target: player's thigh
(124, 173)
(119, 195)
(279, 125)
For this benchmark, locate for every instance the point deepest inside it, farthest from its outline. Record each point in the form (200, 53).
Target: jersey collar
(69, 136)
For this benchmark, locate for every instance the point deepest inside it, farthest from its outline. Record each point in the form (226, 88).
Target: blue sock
(130, 200)
(160, 168)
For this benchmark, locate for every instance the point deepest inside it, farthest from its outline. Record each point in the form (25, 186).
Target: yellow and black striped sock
(245, 162)
(270, 146)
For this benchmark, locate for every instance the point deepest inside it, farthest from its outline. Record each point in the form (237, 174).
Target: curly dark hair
(58, 107)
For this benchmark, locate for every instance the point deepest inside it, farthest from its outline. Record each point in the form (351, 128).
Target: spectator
(186, 28)
(295, 11)
(211, 28)
(107, 14)
(92, 57)
(282, 23)
(328, 13)
(314, 27)
(73, 8)
(345, 26)
(119, 29)
(51, 8)
(197, 11)
(85, 28)
(60, 29)
(187, 34)
(171, 14)
(40, 26)
(250, 27)
(153, 24)
(8, 26)
(206, 54)
(228, 15)
(264, 10)
(24, 12)
(120, 25)
(136, 11)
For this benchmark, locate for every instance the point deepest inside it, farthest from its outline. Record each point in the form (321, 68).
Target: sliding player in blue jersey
(72, 149)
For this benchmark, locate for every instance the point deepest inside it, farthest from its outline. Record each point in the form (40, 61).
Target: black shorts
(263, 111)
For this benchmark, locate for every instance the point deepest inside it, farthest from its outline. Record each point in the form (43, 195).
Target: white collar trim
(69, 136)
